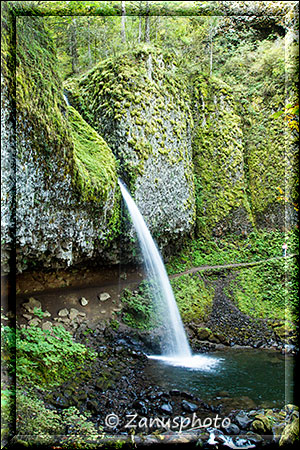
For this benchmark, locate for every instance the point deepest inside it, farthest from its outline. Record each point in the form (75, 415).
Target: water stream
(178, 348)
(241, 374)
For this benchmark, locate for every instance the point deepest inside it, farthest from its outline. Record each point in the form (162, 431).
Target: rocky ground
(116, 391)
(123, 401)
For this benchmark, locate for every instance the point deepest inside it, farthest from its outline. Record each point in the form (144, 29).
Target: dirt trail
(228, 266)
(64, 289)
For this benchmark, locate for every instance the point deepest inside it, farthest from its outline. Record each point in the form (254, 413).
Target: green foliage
(44, 358)
(39, 425)
(268, 293)
(256, 246)
(139, 309)
(8, 398)
(257, 71)
(193, 297)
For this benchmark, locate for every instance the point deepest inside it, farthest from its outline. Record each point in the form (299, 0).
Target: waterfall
(66, 99)
(177, 343)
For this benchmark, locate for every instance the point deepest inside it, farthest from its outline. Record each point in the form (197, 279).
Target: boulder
(290, 434)
(63, 312)
(47, 326)
(73, 313)
(83, 301)
(34, 322)
(103, 296)
(188, 406)
(166, 408)
(203, 333)
(31, 304)
(262, 424)
(243, 420)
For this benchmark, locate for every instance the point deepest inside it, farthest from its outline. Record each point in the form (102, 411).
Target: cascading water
(156, 272)
(178, 352)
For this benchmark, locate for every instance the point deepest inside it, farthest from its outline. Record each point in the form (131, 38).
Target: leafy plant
(44, 357)
(139, 310)
(39, 425)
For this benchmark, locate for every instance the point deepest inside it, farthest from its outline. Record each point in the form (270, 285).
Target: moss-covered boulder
(139, 104)
(65, 183)
(218, 155)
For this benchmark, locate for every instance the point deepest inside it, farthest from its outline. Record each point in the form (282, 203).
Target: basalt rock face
(55, 210)
(218, 153)
(194, 157)
(141, 108)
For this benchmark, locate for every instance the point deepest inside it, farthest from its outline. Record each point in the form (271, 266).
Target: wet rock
(261, 424)
(277, 431)
(290, 434)
(140, 405)
(187, 395)
(63, 312)
(31, 304)
(243, 420)
(253, 437)
(166, 408)
(174, 392)
(73, 313)
(232, 429)
(47, 326)
(83, 301)
(103, 296)
(34, 322)
(27, 316)
(189, 407)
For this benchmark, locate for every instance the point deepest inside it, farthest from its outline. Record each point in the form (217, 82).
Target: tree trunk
(89, 44)
(147, 23)
(123, 30)
(211, 58)
(140, 24)
(73, 46)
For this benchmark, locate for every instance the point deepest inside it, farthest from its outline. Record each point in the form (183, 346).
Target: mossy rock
(95, 164)
(263, 423)
(290, 435)
(204, 334)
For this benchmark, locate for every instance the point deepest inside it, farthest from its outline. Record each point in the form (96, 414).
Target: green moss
(217, 155)
(268, 293)
(125, 86)
(39, 100)
(95, 165)
(193, 297)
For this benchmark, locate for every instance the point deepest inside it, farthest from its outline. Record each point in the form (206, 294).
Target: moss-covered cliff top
(119, 79)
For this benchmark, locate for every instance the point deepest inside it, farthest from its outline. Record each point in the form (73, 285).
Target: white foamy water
(178, 346)
(194, 362)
